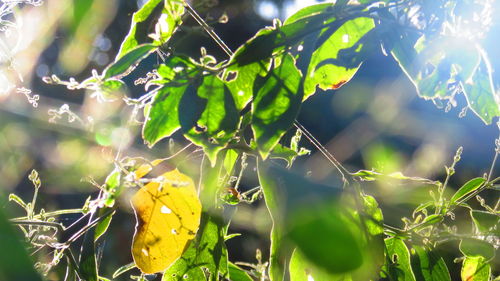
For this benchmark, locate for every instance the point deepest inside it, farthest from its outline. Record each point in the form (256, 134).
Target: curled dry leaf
(168, 216)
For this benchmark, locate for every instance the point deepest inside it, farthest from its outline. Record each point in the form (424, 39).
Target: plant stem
(39, 223)
(493, 163)
(51, 214)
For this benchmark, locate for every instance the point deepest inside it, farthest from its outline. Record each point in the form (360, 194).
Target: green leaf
(18, 200)
(367, 175)
(219, 118)
(486, 222)
(475, 269)
(309, 11)
(481, 94)
(230, 160)
(273, 40)
(112, 187)
(427, 265)
(88, 261)
(471, 247)
(112, 85)
(125, 64)
(102, 226)
(207, 250)
(272, 194)
(211, 184)
(322, 235)
(123, 269)
(168, 17)
(168, 22)
(303, 270)
(361, 232)
(305, 212)
(467, 189)
(364, 219)
(433, 65)
(276, 104)
(398, 265)
(237, 274)
(338, 58)
(203, 107)
(15, 263)
(428, 221)
(241, 86)
(162, 117)
(282, 152)
(138, 29)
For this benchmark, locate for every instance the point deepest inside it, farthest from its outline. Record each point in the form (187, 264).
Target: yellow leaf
(146, 168)
(168, 216)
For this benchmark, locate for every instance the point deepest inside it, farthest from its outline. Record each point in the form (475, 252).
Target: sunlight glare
(293, 6)
(267, 10)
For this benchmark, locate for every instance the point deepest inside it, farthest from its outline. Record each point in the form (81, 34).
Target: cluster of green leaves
(243, 106)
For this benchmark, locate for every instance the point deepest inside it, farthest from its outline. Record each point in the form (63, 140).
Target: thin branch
(208, 29)
(50, 214)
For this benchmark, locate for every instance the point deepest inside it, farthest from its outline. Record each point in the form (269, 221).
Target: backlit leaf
(138, 29)
(428, 265)
(323, 236)
(437, 66)
(18, 200)
(398, 260)
(162, 116)
(216, 124)
(481, 94)
(273, 40)
(276, 104)
(475, 269)
(305, 212)
(302, 269)
(241, 86)
(207, 251)
(122, 269)
(237, 274)
(102, 226)
(308, 11)
(128, 62)
(486, 222)
(168, 216)
(338, 57)
(467, 189)
(471, 247)
(168, 22)
(368, 232)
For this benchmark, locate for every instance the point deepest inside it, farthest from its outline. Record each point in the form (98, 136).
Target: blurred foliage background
(376, 121)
